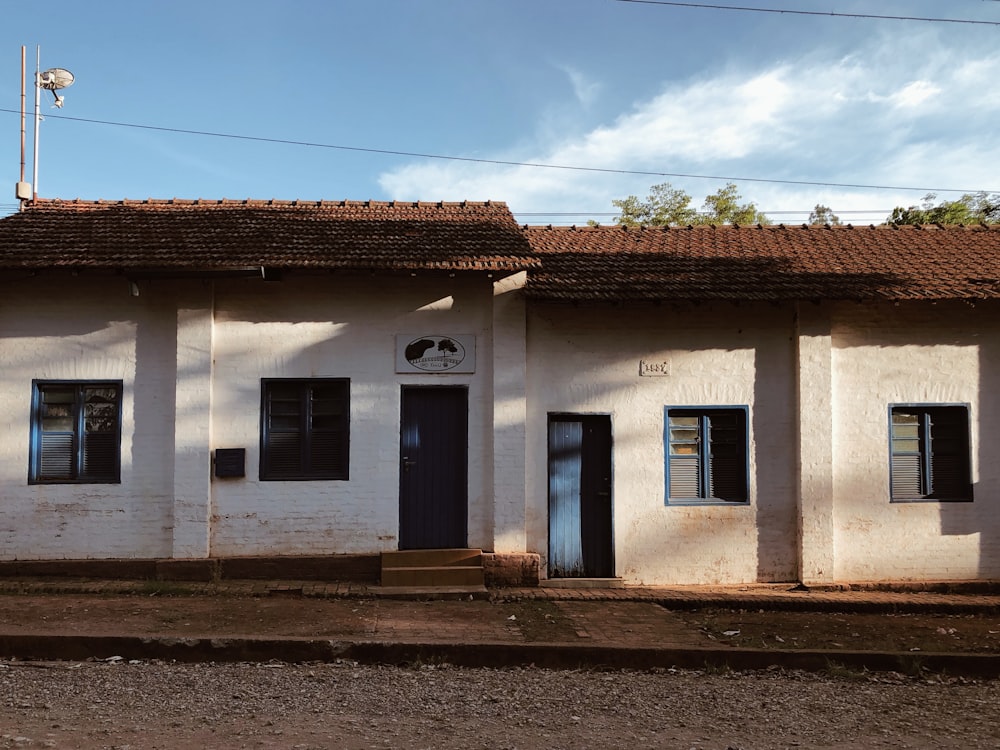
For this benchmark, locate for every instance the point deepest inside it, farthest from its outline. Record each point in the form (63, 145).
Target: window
(707, 454)
(75, 432)
(929, 452)
(305, 429)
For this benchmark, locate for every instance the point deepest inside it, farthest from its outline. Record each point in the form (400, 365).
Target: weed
(844, 672)
(162, 588)
(912, 665)
(720, 668)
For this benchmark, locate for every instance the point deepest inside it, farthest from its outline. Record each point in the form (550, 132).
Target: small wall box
(230, 462)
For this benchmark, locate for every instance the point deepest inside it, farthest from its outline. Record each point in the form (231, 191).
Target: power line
(506, 163)
(761, 210)
(811, 12)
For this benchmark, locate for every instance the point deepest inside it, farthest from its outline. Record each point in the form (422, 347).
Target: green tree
(667, 206)
(971, 208)
(724, 207)
(664, 206)
(823, 215)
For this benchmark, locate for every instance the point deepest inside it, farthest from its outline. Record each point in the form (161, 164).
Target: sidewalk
(750, 627)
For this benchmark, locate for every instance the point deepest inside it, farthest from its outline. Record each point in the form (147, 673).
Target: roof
(230, 234)
(765, 263)
(610, 263)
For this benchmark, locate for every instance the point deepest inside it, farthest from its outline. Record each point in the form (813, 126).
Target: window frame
(704, 456)
(78, 433)
(338, 472)
(925, 453)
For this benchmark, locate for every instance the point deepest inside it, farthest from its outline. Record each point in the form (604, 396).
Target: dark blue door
(580, 544)
(433, 472)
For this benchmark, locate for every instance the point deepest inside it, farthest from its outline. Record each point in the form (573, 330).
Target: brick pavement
(635, 627)
(972, 597)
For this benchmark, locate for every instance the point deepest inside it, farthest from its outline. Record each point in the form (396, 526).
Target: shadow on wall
(772, 431)
(154, 393)
(982, 516)
(750, 343)
(329, 326)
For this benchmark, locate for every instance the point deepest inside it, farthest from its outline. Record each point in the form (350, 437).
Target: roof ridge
(64, 203)
(608, 228)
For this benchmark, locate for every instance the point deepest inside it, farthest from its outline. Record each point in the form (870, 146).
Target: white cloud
(914, 94)
(916, 116)
(585, 90)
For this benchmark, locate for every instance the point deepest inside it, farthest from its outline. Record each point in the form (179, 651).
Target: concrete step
(432, 558)
(433, 567)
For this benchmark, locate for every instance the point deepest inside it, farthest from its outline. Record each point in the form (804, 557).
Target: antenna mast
(23, 94)
(38, 119)
(23, 190)
(52, 79)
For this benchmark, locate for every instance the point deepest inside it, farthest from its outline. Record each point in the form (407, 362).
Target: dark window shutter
(949, 453)
(727, 444)
(283, 454)
(328, 454)
(930, 453)
(329, 436)
(100, 456)
(76, 432)
(306, 429)
(100, 433)
(707, 454)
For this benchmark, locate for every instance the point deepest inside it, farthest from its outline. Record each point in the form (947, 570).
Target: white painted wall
(191, 356)
(62, 327)
(947, 353)
(586, 360)
(820, 508)
(815, 399)
(510, 410)
(340, 327)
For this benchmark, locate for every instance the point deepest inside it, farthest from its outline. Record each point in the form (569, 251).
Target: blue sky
(762, 99)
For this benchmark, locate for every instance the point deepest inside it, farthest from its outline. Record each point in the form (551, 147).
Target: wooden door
(433, 484)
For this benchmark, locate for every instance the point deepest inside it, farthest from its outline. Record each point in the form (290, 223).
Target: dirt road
(133, 706)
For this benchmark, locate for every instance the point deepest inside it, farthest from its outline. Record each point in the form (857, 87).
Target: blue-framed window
(75, 432)
(707, 454)
(305, 429)
(929, 452)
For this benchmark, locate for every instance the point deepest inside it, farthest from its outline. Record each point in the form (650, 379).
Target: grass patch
(717, 668)
(162, 588)
(912, 665)
(844, 672)
(540, 620)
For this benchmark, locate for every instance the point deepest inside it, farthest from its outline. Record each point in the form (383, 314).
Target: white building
(188, 380)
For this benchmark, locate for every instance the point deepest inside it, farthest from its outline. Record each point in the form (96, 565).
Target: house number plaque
(650, 368)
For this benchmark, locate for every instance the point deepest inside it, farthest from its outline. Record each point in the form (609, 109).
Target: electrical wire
(509, 163)
(811, 12)
(769, 213)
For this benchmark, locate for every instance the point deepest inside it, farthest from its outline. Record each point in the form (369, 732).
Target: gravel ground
(123, 705)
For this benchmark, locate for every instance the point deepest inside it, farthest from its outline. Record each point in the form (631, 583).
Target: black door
(433, 472)
(580, 543)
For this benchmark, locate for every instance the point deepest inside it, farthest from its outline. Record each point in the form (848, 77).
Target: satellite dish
(54, 79)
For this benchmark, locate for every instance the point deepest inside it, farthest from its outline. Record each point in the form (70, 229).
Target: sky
(465, 99)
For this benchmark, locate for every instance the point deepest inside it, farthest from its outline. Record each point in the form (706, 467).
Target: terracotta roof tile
(226, 234)
(765, 263)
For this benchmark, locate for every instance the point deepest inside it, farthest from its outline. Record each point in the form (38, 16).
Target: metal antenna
(52, 79)
(38, 118)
